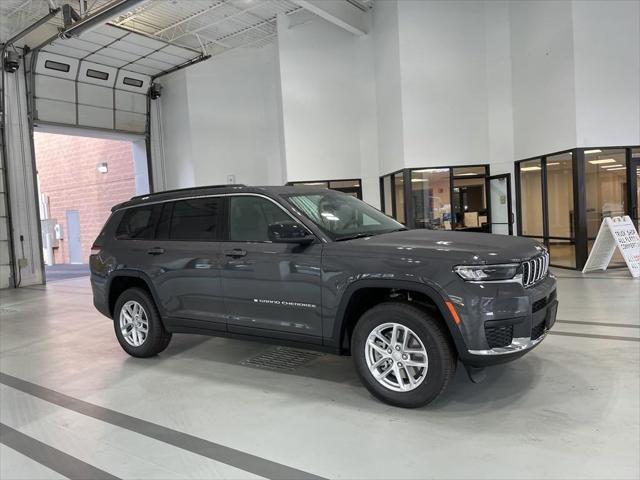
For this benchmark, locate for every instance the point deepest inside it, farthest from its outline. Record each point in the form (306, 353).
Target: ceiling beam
(339, 12)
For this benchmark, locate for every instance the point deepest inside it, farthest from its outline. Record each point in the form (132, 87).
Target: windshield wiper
(354, 236)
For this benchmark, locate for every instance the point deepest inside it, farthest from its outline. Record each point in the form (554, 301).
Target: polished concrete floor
(74, 405)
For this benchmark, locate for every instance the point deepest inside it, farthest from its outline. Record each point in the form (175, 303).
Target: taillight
(96, 249)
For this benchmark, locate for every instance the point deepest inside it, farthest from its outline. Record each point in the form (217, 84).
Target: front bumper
(502, 322)
(539, 328)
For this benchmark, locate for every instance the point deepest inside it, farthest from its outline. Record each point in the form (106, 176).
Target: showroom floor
(72, 401)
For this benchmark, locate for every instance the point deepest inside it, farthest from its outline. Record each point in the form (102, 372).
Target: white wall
(221, 118)
(544, 109)
(386, 40)
(443, 81)
(606, 37)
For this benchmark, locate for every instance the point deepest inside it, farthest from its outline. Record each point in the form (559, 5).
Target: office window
(398, 184)
(196, 219)
(431, 196)
(387, 196)
(606, 184)
(531, 197)
(250, 218)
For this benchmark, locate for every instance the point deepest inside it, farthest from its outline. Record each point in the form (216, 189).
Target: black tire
(442, 359)
(157, 338)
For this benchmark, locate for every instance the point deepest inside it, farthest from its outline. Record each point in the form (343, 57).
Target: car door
(186, 262)
(270, 289)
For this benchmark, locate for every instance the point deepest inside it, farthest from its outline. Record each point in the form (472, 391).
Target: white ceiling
(215, 25)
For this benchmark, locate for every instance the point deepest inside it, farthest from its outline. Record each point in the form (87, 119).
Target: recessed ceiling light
(588, 152)
(431, 170)
(602, 160)
(530, 169)
(466, 174)
(552, 163)
(617, 168)
(416, 180)
(615, 165)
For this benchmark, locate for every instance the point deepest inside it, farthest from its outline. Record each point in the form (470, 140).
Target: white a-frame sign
(616, 232)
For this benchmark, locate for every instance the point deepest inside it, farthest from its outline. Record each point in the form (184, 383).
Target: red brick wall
(68, 174)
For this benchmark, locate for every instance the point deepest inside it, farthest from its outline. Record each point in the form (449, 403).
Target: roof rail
(187, 189)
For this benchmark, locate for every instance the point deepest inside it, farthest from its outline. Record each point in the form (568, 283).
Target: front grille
(499, 336)
(535, 269)
(537, 330)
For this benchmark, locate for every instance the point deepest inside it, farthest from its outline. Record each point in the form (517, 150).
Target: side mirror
(290, 232)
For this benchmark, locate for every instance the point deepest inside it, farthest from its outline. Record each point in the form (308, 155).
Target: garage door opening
(79, 179)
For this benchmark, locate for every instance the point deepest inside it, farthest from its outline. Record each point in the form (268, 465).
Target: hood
(460, 247)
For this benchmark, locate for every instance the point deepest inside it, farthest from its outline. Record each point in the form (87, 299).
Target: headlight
(487, 273)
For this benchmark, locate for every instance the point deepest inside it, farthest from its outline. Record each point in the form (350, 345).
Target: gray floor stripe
(50, 457)
(219, 453)
(600, 324)
(590, 335)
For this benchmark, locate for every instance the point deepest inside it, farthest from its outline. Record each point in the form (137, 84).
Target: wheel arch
(121, 280)
(350, 309)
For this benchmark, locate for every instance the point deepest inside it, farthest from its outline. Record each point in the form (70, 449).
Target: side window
(250, 218)
(138, 223)
(197, 220)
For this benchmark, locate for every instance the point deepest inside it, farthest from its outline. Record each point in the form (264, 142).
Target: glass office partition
(351, 187)
(398, 189)
(431, 196)
(559, 188)
(568, 218)
(531, 198)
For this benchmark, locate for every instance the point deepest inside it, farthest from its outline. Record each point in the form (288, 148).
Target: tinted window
(196, 219)
(138, 223)
(97, 74)
(132, 82)
(251, 217)
(53, 65)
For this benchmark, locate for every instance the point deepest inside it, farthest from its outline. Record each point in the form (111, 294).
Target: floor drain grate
(281, 358)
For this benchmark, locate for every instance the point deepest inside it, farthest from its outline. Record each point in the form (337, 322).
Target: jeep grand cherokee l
(319, 269)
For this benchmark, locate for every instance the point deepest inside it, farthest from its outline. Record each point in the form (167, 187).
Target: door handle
(156, 251)
(235, 253)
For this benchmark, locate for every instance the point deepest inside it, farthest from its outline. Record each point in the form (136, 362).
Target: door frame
(633, 202)
(509, 200)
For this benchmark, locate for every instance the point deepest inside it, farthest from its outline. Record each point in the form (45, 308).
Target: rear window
(138, 223)
(198, 220)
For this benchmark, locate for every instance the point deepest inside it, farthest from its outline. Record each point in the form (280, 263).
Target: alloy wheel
(134, 323)
(396, 357)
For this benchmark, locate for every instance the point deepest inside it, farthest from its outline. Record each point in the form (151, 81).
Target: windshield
(342, 216)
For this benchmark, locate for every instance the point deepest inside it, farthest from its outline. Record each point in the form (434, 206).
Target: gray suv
(319, 269)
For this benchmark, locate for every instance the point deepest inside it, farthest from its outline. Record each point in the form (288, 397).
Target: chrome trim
(517, 345)
(535, 270)
(516, 279)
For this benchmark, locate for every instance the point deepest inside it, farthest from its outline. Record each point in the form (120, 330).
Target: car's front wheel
(402, 354)
(137, 324)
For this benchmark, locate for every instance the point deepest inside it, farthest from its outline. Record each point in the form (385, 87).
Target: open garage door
(101, 79)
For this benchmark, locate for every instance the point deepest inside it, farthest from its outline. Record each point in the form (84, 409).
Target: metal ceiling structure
(209, 26)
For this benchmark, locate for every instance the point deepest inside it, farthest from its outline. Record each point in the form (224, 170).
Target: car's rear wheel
(137, 324)
(403, 354)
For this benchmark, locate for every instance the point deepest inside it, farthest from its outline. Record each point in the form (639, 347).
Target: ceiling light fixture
(549, 164)
(615, 165)
(589, 152)
(530, 169)
(617, 168)
(602, 160)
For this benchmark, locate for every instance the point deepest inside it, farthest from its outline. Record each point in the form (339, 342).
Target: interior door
(273, 287)
(73, 236)
(500, 214)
